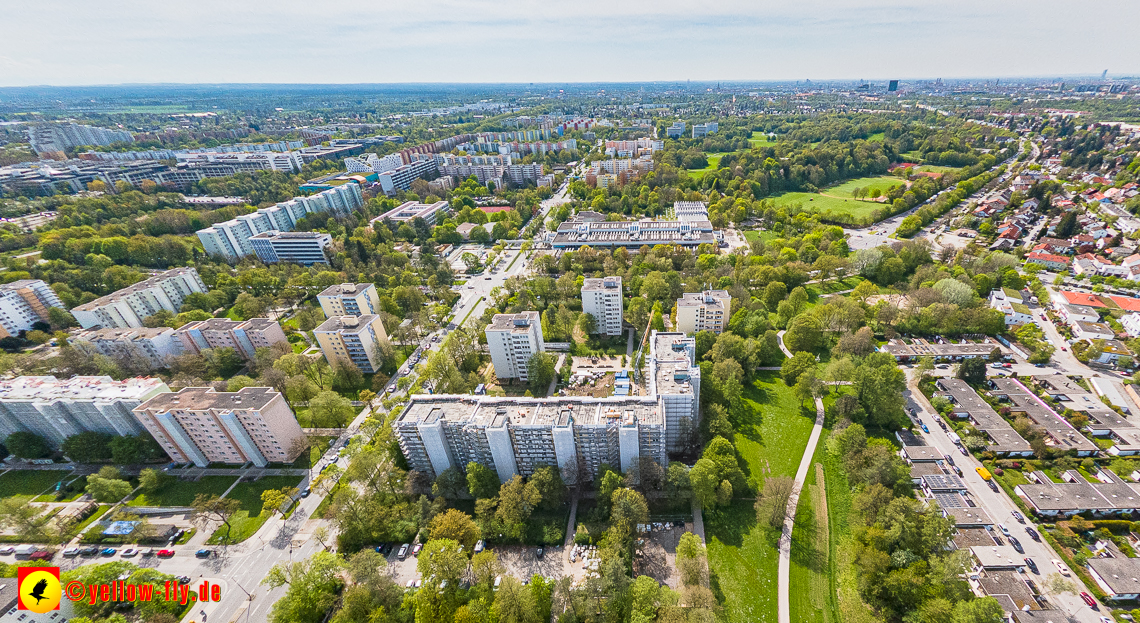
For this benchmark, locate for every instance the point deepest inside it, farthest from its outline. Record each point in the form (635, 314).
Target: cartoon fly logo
(39, 589)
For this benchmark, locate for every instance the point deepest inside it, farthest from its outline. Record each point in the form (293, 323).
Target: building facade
(200, 426)
(300, 247)
(352, 340)
(157, 345)
(244, 336)
(512, 339)
(602, 299)
(703, 311)
(675, 378)
(57, 409)
(126, 308)
(349, 299)
(24, 303)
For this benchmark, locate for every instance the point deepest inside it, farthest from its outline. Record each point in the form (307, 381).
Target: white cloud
(114, 41)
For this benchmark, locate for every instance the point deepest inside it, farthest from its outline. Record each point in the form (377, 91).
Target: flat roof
(347, 324)
(1000, 432)
(507, 322)
(997, 556)
(34, 388)
(202, 398)
(345, 289)
(924, 348)
(922, 453)
(542, 412)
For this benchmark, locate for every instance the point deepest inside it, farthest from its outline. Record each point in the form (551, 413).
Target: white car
(1061, 567)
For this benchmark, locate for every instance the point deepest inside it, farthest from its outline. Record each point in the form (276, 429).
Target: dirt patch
(597, 388)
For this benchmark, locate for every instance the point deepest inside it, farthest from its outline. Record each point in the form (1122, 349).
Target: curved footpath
(785, 568)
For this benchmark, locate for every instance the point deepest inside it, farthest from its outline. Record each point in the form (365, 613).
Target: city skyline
(735, 41)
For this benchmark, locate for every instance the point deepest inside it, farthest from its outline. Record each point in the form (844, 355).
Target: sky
(80, 42)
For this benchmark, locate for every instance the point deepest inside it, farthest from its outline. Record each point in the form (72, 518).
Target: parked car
(540, 552)
(1018, 516)
(146, 552)
(417, 548)
(403, 553)
(1032, 533)
(949, 459)
(88, 551)
(42, 554)
(1003, 529)
(923, 425)
(204, 553)
(129, 552)
(71, 552)
(1061, 568)
(1016, 545)
(7, 549)
(1088, 599)
(1032, 565)
(479, 545)
(108, 551)
(165, 553)
(306, 492)
(993, 485)
(185, 579)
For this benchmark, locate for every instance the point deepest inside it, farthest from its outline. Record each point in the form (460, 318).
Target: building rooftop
(708, 298)
(47, 388)
(347, 324)
(202, 398)
(917, 454)
(923, 348)
(602, 283)
(137, 287)
(1122, 575)
(142, 333)
(345, 289)
(997, 557)
(966, 401)
(519, 322)
(542, 412)
(968, 516)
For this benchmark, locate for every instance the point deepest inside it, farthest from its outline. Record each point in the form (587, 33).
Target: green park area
(29, 483)
(249, 518)
(743, 554)
(759, 139)
(183, 492)
(713, 161)
(839, 199)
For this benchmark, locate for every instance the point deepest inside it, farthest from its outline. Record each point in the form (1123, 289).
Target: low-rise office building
(157, 345)
(632, 235)
(411, 210)
(201, 426)
(703, 311)
(300, 247)
(57, 409)
(602, 299)
(23, 303)
(352, 340)
(512, 340)
(244, 336)
(349, 299)
(942, 351)
(126, 308)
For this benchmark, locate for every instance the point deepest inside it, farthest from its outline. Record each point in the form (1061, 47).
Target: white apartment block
(413, 209)
(371, 163)
(57, 409)
(244, 336)
(703, 311)
(602, 299)
(157, 345)
(230, 240)
(126, 308)
(24, 303)
(675, 379)
(289, 161)
(518, 435)
(1131, 324)
(401, 177)
(349, 299)
(701, 130)
(512, 340)
(352, 340)
(63, 136)
(201, 426)
(300, 247)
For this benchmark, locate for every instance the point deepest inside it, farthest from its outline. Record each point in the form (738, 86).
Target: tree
(27, 445)
(249, 306)
(107, 486)
(211, 508)
(692, 559)
(807, 387)
(517, 500)
(129, 449)
(548, 480)
(457, 526)
(273, 500)
(774, 293)
(481, 481)
(973, 371)
(87, 447)
(980, 610)
(637, 313)
(152, 480)
(440, 560)
(313, 585)
(792, 368)
(330, 409)
(514, 603)
(628, 508)
(772, 504)
(804, 334)
(704, 477)
(540, 372)
(450, 484)
(18, 514)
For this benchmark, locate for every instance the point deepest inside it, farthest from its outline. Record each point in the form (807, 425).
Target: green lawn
(182, 492)
(713, 161)
(743, 555)
(247, 520)
(838, 199)
(766, 235)
(844, 190)
(304, 416)
(876, 137)
(31, 483)
(760, 139)
(933, 168)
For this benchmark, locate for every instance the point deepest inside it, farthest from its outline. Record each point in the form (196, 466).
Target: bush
(582, 535)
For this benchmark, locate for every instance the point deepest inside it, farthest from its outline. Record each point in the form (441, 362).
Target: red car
(41, 555)
(1088, 599)
(165, 553)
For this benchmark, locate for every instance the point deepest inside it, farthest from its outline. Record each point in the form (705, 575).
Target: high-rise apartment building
(518, 435)
(157, 345)
(703, 311)
(512, 340)
(24, 303)
(230, 240)
(244, 336)
(401, 177)
(602, 299)
(675, 379)
(301, 247)
(201, 426)
(701, 130)
(352, 340)
(48, 138)
(126, 308)
(349, 299)
(57, 409)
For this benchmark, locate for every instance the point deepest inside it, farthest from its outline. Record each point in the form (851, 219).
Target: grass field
(247, 520)
(766, 235)
(876, 137)
(934, 168)
(714, 160)
(834, 285)
(30, 483)
(837, 199)
(182, 492)
(743, 555)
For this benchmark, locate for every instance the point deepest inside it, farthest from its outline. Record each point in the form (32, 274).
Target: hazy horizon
(126, 42)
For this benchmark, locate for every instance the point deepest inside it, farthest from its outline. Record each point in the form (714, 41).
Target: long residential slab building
(575, 434)
(128, 307)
